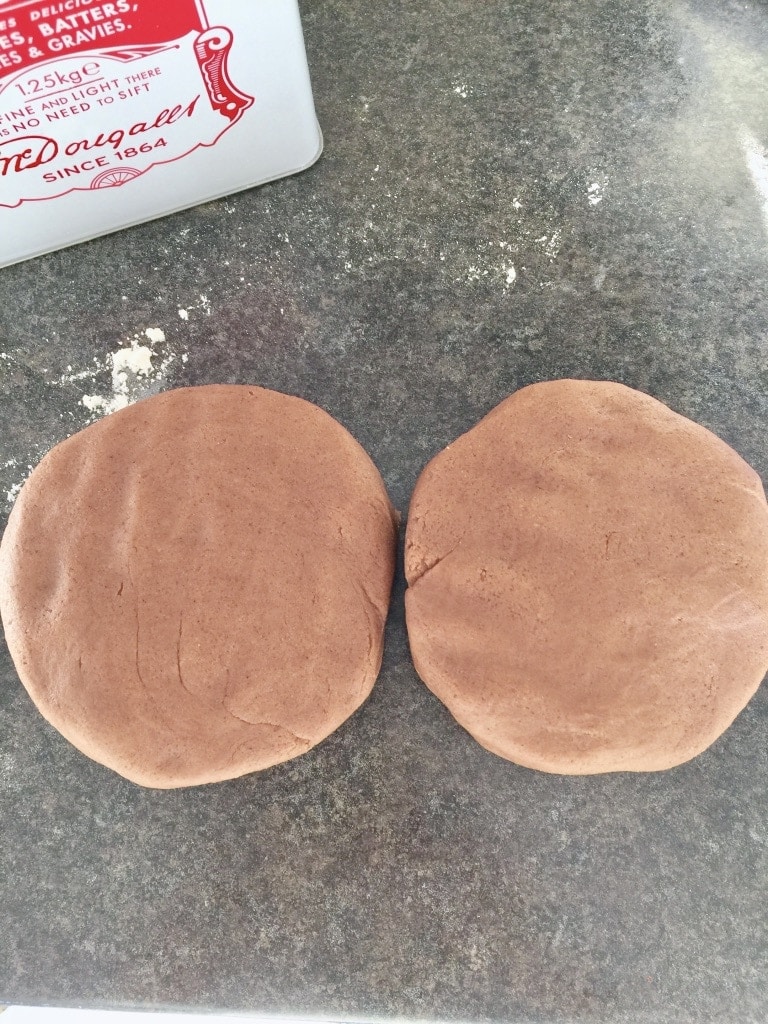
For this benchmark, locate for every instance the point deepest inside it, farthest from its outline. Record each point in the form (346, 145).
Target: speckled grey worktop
(510, 192)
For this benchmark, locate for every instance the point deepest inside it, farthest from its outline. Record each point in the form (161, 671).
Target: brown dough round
(588, 581)
(195, 587)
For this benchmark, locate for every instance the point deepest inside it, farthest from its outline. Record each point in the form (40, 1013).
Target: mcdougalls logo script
(31, 152)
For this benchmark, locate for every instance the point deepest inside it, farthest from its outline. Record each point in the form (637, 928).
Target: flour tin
(114, 113)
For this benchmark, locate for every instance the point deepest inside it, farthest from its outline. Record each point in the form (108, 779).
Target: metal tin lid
(113, 113)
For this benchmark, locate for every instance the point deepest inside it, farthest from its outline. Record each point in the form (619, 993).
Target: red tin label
(94, 94)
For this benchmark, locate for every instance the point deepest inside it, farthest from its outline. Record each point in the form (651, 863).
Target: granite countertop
(510, 192)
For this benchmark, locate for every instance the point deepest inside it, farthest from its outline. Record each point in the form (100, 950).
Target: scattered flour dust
(18, 470)
(551, 244)
(532, 228)
(140, 368)
(201, 303)
(486, 266)
(14, 465)
(137, 370)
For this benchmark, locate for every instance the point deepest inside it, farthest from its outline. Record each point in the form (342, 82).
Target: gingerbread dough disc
(588, 581)
(195, 587)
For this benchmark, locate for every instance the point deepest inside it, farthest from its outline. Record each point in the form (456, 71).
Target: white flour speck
(551, 243)
(136, 359)
(26, 468)
(96, 404)
(462, 89)
(71, 377)
(516, 203)
(184, 314)
(595, 190)
(511, 275)
(128, 365)
(135, 369)
(475, 273)
(13, 491)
